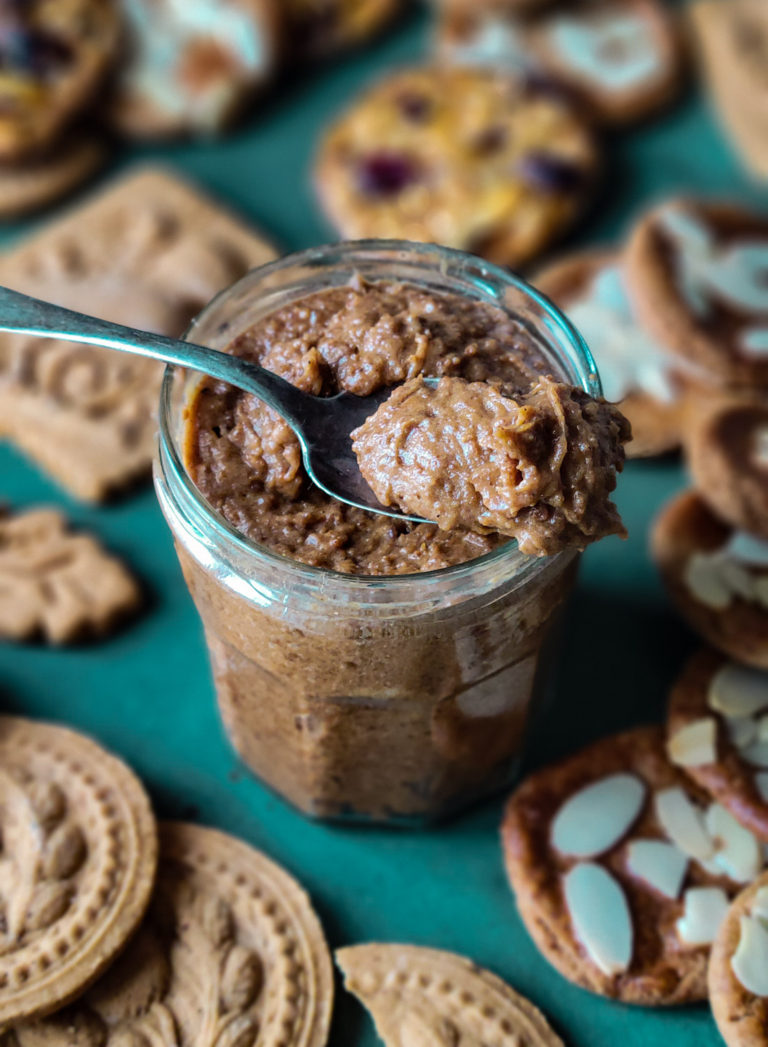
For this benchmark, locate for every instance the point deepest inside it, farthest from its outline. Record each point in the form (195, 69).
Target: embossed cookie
(320, 28)
(468, 158)
(622, 869)
(41, 180)
(622, 59)
(77, 864)
(419, 997)
(53, 54)
(149, 251)
(230, 953)
(697, 273)
(192, 65)
(636, 371)
(717, 730)
(716, 575)
(56, 584)
(738, 969)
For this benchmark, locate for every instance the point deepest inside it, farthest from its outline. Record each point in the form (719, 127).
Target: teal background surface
(147, 692)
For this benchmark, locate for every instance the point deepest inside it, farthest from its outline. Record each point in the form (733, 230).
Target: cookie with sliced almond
(717, 731)
(623, 869)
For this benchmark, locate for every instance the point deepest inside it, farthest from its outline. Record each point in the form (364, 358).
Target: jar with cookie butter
(366, 667)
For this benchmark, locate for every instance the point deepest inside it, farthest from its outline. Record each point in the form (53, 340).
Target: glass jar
(384, 698)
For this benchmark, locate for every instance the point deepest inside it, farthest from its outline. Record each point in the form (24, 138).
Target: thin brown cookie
(619, 869)
(468, 158)
(716, 576)
(230, 953)
(42, 180)
(419, 997)
(697, 273)
(322, 28)
(149, 251)
(723, 747)
(56, 584)
(77, 865)
(739, 956)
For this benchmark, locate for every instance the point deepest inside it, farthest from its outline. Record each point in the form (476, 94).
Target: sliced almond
(598, 816)
(705, 910)
(761, 782)
(737, 851)
(600, 916)
(756, 754)
(661, 865)
(750, 960)
(742, 731)
(736, 690)
(759, 906)
(695, 744)
(747, 549)
(683, 823)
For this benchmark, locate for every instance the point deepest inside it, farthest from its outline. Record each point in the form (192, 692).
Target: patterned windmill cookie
(698, 275)
(716, 575)
(419, 997)
(320, 28)
(149, 252)
(717, 730)
(53, 54)
(636, 371)
(732, 43)
(192, 65)
(56, 584)
(230, 954)
(621, 59)
(738, 969)
(622, 868)
(39, 181)
(726, 444)
(76, 868)
(468, 158)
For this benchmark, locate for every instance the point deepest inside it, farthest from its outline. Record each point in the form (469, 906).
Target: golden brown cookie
(698, 275)
(56, 584)
(230, 953)
(469, 158)
(192, 65)
(716, 575)
(149, 251)
(321, 28)
(53, 55)
(738, 992)
(622, 871)
(636, 372)
(719, 706)
(77, 865)
(41, 180)
(419, 997)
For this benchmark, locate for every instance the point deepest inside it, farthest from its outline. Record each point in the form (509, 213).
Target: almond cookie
(698, 276)
(56, 584)
(637, 373)
(726, 446)
(469, 158)
(621, 58)
(419, 997)
(716, 575)
(320, 28)
(738, 969)
(717, 730)
(41, 180)
(77, 868)
(149, 252)
(192, 65)
(230, 953)
(53, 53)
(623, 868)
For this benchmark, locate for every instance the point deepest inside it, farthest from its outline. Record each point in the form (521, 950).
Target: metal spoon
(322, 424)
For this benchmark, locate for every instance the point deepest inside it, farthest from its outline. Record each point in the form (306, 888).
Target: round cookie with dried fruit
(738, 969)
(698, 275)
(41, 180)
(717, 731)
(468, 158)
(322, 28)
(77, 866)
(623, 868)
(636, 371)
(716, 575)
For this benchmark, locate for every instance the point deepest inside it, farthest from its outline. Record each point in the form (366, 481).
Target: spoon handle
(26, 315)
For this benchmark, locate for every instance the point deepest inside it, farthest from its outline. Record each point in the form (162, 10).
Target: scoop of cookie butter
(538, 466)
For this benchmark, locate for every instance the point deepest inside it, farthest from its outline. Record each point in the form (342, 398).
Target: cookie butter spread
(511, 453)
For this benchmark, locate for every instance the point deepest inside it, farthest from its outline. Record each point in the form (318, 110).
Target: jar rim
(488, 278)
